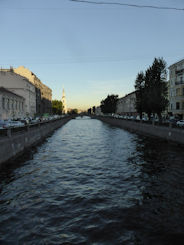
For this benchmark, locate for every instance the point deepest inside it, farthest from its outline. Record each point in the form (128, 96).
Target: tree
(139, 91)
(147, 96)
(156, 89)
(89, 111)
(94, 109)
(57, 107)
(73, 111)
(108, 105)
(151, 89)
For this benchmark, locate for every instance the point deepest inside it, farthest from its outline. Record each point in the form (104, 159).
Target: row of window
(178, 81)
(179, 106)
(12, 104)
(178, 92)
(176, 68)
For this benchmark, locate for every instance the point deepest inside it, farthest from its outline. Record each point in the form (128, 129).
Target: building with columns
(43, 92)
(20, 86)
(64, 102)
(11, 105)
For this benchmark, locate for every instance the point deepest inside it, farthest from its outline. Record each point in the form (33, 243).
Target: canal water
(91, 183)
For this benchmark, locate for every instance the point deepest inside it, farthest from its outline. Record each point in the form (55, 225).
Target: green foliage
(57, 107)
(73, 111)
(108, 105)
(94, 109)
(151, 89)
(89, 111)
(139, 89)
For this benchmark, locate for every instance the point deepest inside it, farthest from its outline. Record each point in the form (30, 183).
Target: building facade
(176, 89)
(98, 111)
(126, 105)
(11, 105)
(20, 86)
(43, 92)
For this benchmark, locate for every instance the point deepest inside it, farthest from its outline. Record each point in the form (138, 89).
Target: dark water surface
(91, 183)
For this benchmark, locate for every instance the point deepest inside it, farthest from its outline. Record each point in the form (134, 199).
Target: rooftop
(178, 62)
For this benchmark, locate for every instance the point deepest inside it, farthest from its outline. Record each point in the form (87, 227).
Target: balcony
(179, 71)
(180, 82)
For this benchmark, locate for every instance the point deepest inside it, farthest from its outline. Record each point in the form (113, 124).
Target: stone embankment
(14, 142)
(165, 132)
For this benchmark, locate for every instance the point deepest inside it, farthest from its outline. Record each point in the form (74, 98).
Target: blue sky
(90, 50)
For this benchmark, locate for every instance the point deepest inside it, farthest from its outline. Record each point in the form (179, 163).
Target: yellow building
(44, 93)
(176, 89)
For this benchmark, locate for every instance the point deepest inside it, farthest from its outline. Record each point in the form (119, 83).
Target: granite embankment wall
(165, 132)
(15, 141)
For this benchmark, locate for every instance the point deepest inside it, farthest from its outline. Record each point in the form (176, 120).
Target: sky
(89, 50)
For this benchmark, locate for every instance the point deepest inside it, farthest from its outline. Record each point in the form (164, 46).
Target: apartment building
(126, 105)
(98, 111)
(176, 89)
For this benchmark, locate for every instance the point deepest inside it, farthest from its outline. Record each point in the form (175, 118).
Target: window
(177, 105)
(183, 91)
(183, 105)
(177, 91)
(171, 106)
(3, 103)
(8, 104)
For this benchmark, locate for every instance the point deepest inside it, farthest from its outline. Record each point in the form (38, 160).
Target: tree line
(108, 105)
(151, 91)
(57, 108)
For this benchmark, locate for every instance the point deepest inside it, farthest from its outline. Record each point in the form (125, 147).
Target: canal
(90, 183)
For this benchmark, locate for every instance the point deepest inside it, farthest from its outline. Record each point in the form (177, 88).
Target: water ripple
(91, 183)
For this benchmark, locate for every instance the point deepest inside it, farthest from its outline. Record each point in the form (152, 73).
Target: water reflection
(91, 183)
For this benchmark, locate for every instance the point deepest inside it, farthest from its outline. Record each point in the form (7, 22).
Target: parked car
(38, 119)
(6, 124)
(173, 121)
(116, 116)
(16, 124)
(24, 121)
(2, 124)
(180, 123)
(33, 121)
(11, 124)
